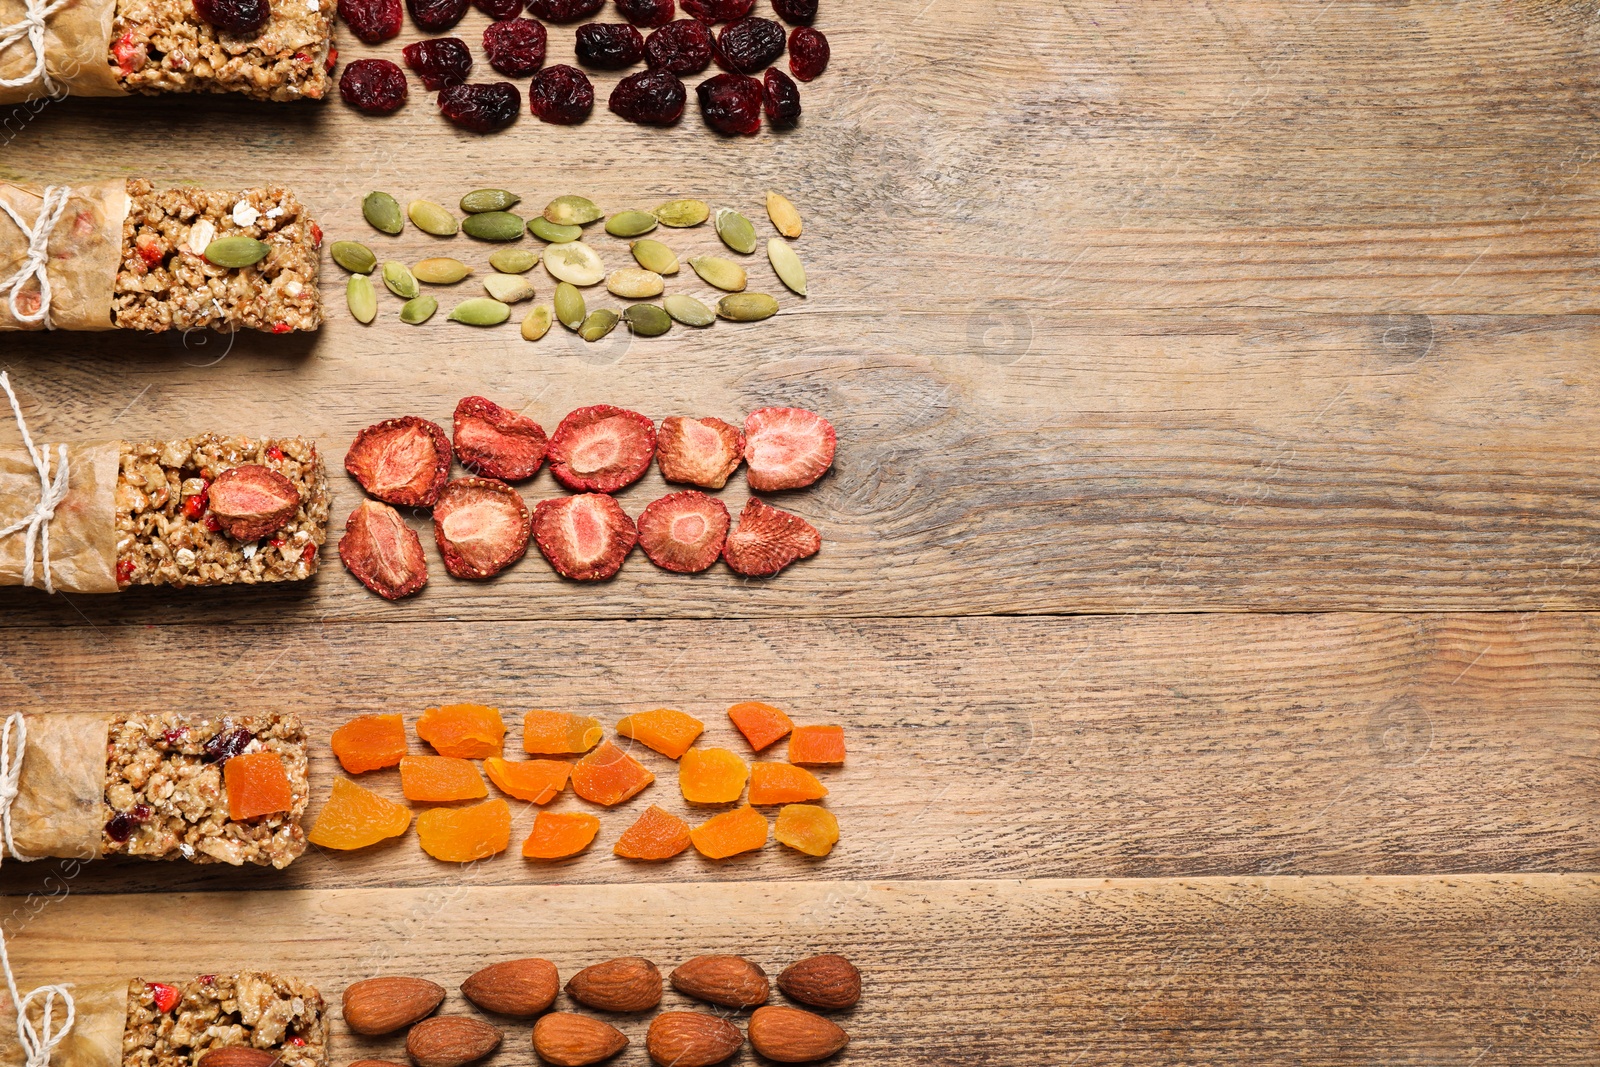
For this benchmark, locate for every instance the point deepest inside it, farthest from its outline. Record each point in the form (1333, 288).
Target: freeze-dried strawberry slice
(699, 452)
(497, 443)
(768, 540)
(786, 448)
(382, 551)
(601, 449)
(164, 996)
(252, 501)
(401, 461)
(584, 537)
(482, 527)
(684, 532)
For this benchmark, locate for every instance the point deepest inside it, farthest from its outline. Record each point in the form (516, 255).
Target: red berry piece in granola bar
(808, 53)
(481, 107)
(251, 501)
(440, 62)
(796, 12)
(750, 44)
(782, 97)
(681, 47)
(436, 16)
(242, 17)
(515, 47)
(601, 449)
(684, 532)
(609, 45)
(699, 452)
(647, 13)
(650, 98)
(482, 527)
(564, 10)
(373, 21)
(383, 552)
(767, 540)
(561, 95)
(163, 996)
(717, 10)
(496, 443)
(584, 537)
(731, 104)
(401, 461)
(375, 86)
(786, 448)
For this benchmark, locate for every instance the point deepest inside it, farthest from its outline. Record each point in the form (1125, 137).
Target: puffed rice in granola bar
(250, 1009)
(163, 46)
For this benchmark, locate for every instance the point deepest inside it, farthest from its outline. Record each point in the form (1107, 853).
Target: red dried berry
(750, 44)
(124, 571)
(796, 12)
(782, 98)
(496, 443)
(481, 107)
(681, 47)
(564, 10)
(787, 448)
(234, 16)
(717, 10)
(650, 98)
(561, 95)
(731, 103)
(194, 506)
(210, 522)
(499, 9)
(436, 16)
(375, 86)
(252, 501)
(440, 62)
(585, 537)
(165, 997)
(767, 540)
(481, 526)
(374, 21)
(699, 452)
(684, 532)
(647, 13)
(274, 454)
(808, 53)
(515, 47)
(383, 552)
(226, 744)
(296, 1040)
(401, 461)
(609, 45)
(601, 449)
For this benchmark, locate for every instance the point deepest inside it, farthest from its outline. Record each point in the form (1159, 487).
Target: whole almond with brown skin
(237, 1056)
(515, 987)
(382, 1005)
(828, 981)
(567, 1039)
(451, 1040)
(631, 983)
(732, 981)
(691, 1039)
(790, 1035)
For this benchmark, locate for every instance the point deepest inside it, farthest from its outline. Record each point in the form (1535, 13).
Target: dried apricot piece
(257, 785)
(761, 724)
(817, 744)
(668, 732)
(534, 780)
(470, 731)
(657, 835)
(355, 817)
(808, 828)
(711, 776)
(732, 832)
(370, 742)
(556, 733)
(440, 778)
(608, 776)
(783, 783)
(558, 834)
(461, 835)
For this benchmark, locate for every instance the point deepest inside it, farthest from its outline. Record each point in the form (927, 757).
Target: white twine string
(38, 258)
(31, 29)
(51, 493)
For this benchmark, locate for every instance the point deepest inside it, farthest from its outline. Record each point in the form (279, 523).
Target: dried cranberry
(483, 107)
(796, 12)
(376, 86)
(731, 103)
(783, 99)
(373, 21)
(440, 62)
(499, 9)
(564, 10)
(808, 53)
(750, 44)
(226, 745)
(718, 10)
(561, 95)
(175, 737)
(124, 823)
(682, 47)
(515, 47)
(436, 16)
(650, 98)
(234, 16)
(647, 13)
(609, 45)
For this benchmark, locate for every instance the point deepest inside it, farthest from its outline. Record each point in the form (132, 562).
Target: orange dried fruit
(355, 817)
(440, 778)
(558, 834)
(711, 776)
(556, 733)
(461, 835)
(370, 742)
(810, 829)
(534, 780)
(817, 744)
(470, 731)
(783, 783)
(730, 833)
(668, 732)
(257, 785)
(657, 835)
(761, 724)
(609, 776)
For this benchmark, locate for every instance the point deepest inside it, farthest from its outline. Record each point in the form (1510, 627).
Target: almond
(567, 1039)
(732, 981)
(691, 1039)
(631, 983)
(382, 1005)
(451, 1040)
(515, 987)
(828, 981)
(237, 1056)
(790, 1035)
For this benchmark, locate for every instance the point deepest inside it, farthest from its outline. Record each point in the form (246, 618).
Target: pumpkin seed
(635, 283)
(747, 307)
(418, 310)
(735, 230)
(572, 211)
(383, 212)
(480, 200)
(630, 223)
(570, 309)
(537, 323)
(574, 262)
(362, 298)
(791, 271)
(681, 214)
(493, 226)
(401, 282)
(545, 230)
(441, 270)
(647, 320)
(513, 260)
(236, 251)
(354, 257)
(653, 255)
(688, 310)
(432, 218)
(480, 311)
(508, 288)
(600, 322)
(722, 273)
(783, 214)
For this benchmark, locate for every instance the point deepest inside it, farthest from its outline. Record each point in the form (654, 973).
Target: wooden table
(1209, 574)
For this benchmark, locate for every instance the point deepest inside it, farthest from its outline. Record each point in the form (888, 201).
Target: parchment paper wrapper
(83, 534)
(95, 1039)
(77, 51)
(85, 250)
(60, 805)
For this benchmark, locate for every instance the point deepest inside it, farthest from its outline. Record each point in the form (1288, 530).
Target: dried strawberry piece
(515, 47)
(601, 449)
(767, 540)
(564, 10)
(440, 62)
(731, 103)
(375, 86)
(609, 45)
(496, 443)
(165, 997)
(782, 97)
(499, 9)
(482, 527)
(383, 552)
(796, 12)
(561, 95)
(373, 21)
(647, 13)
(650, 98)
(681, 47)
(482, 107)
(124, 571)
(717, 10)
(750, 44)
(786, 448)
(585, 537)
(130, 55)
(699, 452)
(684, 532)
(194, 507)
(252, 501)
(436, 16)
(401, 461)
(808, 53)
(241, 17)
(151, 248)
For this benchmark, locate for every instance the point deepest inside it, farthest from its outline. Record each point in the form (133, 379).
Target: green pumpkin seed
(647, 320)
(432, 218)
(791, 271)
(635, 283)
(513, 260)
(736, 231)
(681, 214)
(653, 255)
(354, 257)
(480, 311)
(508, 288)
(688, 310)
(383, 212)
(362, 298)
(570, 309)
(237, 251)
(441, 270)
(600, 322)
(572, 211)
(480, 200)
(400, 281)
(783, 214)
(493, 226)
(537, 323)
(574, 262)
(747, 307)
(418, 310)
(723, 273)
(545, 230)
(630, 223)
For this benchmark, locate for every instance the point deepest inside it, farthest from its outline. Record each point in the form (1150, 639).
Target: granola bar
(163, 46)
(173, 1025)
